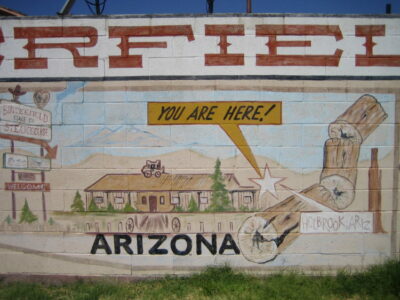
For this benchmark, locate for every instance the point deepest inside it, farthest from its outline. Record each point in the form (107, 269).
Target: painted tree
(8, 220)
(128, 208)
(78, 204)
(220, 198)
(192, 207)
(26, 215)
(110, 208)
(92, 206)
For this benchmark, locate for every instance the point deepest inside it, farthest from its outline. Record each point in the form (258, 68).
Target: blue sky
(50, 7)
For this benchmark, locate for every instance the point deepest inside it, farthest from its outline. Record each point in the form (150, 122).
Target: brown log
(264, 236)
(341, 158)
(339, 173)
(359, 120)
(287, 212)
(374, 191)
(341, 153)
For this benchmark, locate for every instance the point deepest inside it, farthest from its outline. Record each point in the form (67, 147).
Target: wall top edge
(210, 77)
(254, 15)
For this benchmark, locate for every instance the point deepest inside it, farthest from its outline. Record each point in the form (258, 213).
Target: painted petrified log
(263, 236)
(339, 173)
(359, 120)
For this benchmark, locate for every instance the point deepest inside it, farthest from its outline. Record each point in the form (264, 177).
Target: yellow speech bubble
(229, 115)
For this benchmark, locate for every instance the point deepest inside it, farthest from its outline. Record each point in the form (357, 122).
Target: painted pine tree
(220, 198)
(192, 207)
(8, 220)
(92, 206)
(26, 214)
(128, 208)
(77, 205)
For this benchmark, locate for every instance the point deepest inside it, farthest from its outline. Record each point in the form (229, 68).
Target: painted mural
(140, 176)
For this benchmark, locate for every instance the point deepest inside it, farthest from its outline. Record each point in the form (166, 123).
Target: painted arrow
(51, 151)
(1, 41)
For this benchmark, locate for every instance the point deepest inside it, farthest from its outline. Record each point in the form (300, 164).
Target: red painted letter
(124, 33)
(33, 33)
(369, 59)
(273, 59)
(1, 41)
(224, 58)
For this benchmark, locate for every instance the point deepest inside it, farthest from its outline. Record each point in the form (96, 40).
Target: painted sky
(78, 125)
(50, 7)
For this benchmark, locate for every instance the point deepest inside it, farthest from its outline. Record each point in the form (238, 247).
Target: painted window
(98, 200)
(144, 200)
(175, 200)
(119, 200)
(203, 200)
(162, 200)
(247, 199)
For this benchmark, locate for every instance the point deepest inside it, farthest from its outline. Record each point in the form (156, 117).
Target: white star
(267, 183)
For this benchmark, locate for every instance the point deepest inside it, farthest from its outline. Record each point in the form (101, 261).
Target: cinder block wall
(143, 145)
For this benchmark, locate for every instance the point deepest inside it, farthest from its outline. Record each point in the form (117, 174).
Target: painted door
(153, 203)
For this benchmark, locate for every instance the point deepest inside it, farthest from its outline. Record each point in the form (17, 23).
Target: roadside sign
(39, 163)
(27, 186)
(23, 114)
(15, 161)
(30, 131)
(18, 161)
(24, 176)
(337, 222)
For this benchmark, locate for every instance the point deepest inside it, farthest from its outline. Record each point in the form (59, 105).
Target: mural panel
(136, 175)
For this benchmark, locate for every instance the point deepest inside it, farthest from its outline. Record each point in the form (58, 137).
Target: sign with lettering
(262, 46)
(39, 163)
(17, 161)
(23, 114)
(23, 176)
(215, 113)
(29, 131)
(27, 186)
(229, 115)
(336, 222)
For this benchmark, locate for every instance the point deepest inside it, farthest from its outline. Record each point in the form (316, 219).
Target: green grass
(378, 282)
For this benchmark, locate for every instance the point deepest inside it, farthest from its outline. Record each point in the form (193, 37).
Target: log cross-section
(359, 120)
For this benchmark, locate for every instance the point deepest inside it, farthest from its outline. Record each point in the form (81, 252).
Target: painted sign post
(25, 121)
(27, 186)
(23, 114)
(20, 122)
(18, 161)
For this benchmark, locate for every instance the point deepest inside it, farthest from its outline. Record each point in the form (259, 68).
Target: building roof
(166, 182)
(4, 11)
